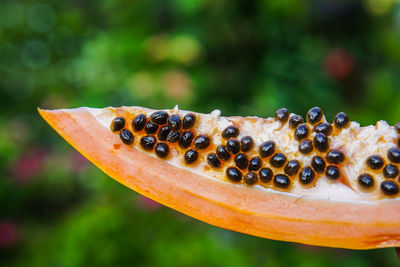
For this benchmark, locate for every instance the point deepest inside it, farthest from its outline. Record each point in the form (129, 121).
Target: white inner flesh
(357, 143)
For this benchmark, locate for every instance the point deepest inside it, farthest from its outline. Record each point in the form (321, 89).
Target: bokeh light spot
(40, 17)
(35, 54)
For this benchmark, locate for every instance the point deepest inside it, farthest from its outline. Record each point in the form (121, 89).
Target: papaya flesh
(282, 178)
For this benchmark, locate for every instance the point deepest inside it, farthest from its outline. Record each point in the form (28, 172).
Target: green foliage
(243, 57)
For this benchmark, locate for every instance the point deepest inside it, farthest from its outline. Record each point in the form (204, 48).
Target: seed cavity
(255, 164)
(233, 146)
(375, 162)
(267, 149)
(305, 146)
(250, 178)
(241, 161)
(332, 172)
(222, 153)
(202, 142)
(393, 155)
(174, 122)
(117, 124)
(173, 136)
(301, 132)
(335, 156)
(139, 122)
(159, 117)
(247, 143)
(321, 142)
(306, 176)
(282, 115)
(341, 120)
(163, 133)
(266, 175)
(277, 160)
(213, 161)
(126, 137)
(295, 121)
(191, 156)
(389, 188)
(148, 142)
(234, 174)
(162, 150)
(314, 115)
(188, 121)
(318, 164)
(390, 171)
(229, 132)
(281, 181)
(366, 180)
(324, 128)
(292, 167)
(151, 128)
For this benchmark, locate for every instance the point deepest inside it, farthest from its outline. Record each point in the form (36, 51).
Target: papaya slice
(283, 178)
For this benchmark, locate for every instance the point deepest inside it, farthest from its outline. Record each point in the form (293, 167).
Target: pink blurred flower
(339, 64)
(28, 165)
(148, 204)
(78, 161)
(9, 233)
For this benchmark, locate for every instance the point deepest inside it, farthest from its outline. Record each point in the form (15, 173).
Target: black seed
(148, 142)
(151, 128)
(390, 171)
(281, 181)
(324, 128)
(335, 156)
(159, 117)
(318, 164)
(375, 162)
(233, 146)
(389, 188)
(366, 180)
(301, 132)
(191, 156)
(332, 172)
(282, 115)
(292, 167)
(247, 143)
(188, 121)
(341, 120)
(222, 153)
(213, 161)
(397, 127)
(174, 122)
(295, 121)
(202, 142)
(139, 122)
(314, 115)
(267, 149)
(321, 142)
(398, 141)
(162, 150)
(186, 139)
(229, 132)
(250, 178)
(126, 137)
(306, 146)
(163, 133)
(174, 136)
(241, 161)
(266, 175)
(234, 174)
(117, 124)
(393, 155)
(255, 164)
(306, 175)
(277, 160)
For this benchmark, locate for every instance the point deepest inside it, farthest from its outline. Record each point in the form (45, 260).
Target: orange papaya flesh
(282, 195)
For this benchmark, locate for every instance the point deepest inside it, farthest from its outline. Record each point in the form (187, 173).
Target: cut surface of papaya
(283, 178)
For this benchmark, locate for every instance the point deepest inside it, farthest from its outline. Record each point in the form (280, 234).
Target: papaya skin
(263, 213)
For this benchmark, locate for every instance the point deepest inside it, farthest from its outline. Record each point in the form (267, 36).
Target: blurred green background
(243, 57)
